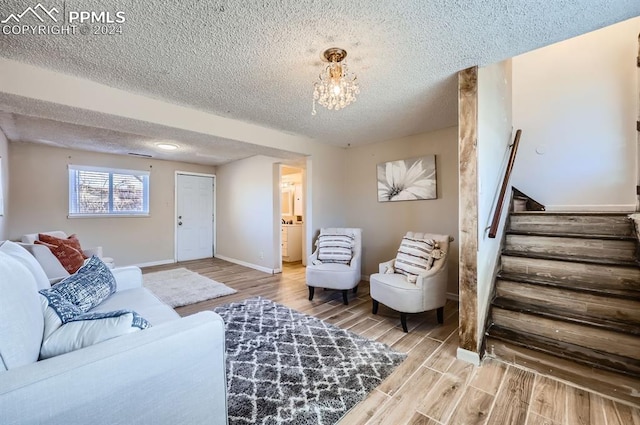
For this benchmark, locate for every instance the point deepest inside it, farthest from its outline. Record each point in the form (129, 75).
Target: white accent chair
(52, 267)
(427, 293)
(335, 275)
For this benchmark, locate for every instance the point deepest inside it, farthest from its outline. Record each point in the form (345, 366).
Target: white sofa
(52, 267)
(170, 373)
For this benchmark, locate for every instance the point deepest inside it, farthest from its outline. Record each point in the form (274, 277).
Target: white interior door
(194, 219)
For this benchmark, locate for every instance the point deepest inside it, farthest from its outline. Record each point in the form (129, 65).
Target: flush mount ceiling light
(337, 87)
(167, 146)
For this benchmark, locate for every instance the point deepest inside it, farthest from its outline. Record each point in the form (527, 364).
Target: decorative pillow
(71, 241)
(70, 258)
(91, 328)
(335, 248)
(414, 256)
(389, 270)
(88, 287)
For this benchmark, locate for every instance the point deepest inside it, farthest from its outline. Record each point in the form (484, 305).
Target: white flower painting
(407, 179)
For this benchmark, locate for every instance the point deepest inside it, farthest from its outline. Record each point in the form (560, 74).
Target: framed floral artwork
(407, 179)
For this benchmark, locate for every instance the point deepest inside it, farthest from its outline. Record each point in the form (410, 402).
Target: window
(95, 191)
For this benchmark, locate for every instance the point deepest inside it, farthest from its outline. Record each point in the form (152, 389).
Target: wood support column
(638, 132)
(468, 207)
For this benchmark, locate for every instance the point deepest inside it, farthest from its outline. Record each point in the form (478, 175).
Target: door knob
(180, 217)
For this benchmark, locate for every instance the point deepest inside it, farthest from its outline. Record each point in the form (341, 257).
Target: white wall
(248, 197)
(4, 187)
(39, 191)
(576, 103)
(385, 223)
(494, 137)
(246, 210)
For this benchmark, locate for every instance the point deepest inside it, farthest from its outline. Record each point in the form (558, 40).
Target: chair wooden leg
(374, 310)
(345, 300)
(311, 290)
(403, 321)
(355, 289)
(440, 314)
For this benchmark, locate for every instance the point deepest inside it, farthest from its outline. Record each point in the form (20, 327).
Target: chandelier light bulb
(336, 87)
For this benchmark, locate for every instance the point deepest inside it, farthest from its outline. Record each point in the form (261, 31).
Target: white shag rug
(180, 287)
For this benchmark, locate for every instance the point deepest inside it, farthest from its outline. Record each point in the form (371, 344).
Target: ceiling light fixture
(167, 146)
(337, 87)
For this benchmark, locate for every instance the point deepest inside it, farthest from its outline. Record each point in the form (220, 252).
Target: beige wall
(494, 137)
(385, 223)
(40, 195)
(246, 209)
(4, 186)
(576, 102)
(248, 206)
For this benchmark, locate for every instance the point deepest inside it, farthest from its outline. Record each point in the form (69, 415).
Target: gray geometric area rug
(285, 367)
(180, 287)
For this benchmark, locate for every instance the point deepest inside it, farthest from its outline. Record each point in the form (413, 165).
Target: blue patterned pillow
(88, 287)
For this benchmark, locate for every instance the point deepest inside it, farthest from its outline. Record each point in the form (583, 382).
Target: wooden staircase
(567, 300)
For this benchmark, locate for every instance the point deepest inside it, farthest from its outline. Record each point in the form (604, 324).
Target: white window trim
(147, 174)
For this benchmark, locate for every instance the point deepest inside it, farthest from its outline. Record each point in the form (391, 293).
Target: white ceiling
(256, 61)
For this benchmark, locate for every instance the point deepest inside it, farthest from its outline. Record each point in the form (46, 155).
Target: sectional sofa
(172, 372)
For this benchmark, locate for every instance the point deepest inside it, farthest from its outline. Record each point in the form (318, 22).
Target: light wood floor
(431, 386)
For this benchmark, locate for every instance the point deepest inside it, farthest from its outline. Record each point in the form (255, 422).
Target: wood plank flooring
(431, 387)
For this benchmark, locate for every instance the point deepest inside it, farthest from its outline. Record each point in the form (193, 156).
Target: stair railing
(495, 222)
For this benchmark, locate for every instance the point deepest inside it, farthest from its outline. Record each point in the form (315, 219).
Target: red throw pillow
(70, 258)
(71, 241)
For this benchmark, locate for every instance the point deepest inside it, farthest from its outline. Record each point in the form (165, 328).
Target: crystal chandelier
(337, 87)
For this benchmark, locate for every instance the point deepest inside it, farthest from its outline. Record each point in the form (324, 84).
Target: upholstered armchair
(416, 280)
(336, 262)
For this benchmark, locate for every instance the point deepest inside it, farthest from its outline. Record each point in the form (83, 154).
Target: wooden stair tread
(568, 351)
(566, 316)
(572, 235)
(575, 213)
(572, 285)
(571, 258)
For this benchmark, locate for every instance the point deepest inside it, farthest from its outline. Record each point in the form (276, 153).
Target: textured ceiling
(193, 147)
(256, 61)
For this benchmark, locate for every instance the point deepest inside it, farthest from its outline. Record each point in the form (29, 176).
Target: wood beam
(468, 207)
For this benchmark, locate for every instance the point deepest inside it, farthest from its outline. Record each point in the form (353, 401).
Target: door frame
(175, 210)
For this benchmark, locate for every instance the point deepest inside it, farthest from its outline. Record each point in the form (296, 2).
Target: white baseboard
(153, 263)
(591, 208)
(468, 356)
(244, 263)
(452, 296)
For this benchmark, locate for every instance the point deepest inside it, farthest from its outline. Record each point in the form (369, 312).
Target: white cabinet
(297, 200)
(291, 242)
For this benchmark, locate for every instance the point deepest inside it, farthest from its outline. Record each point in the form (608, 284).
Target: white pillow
(414, 256)
(86, 332)
(335, 248)
(29, 261)
(67, 329)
